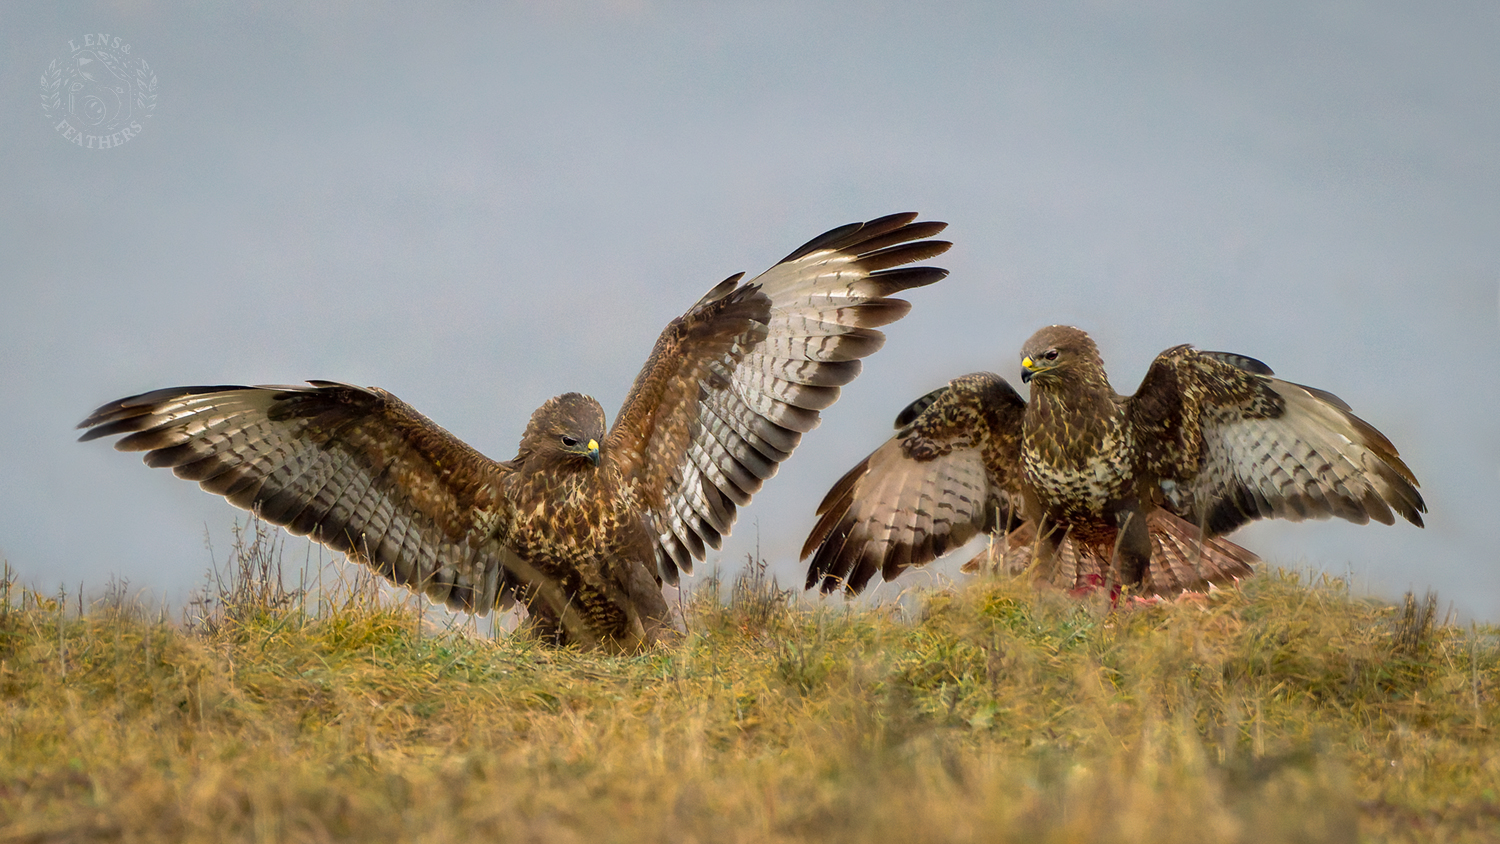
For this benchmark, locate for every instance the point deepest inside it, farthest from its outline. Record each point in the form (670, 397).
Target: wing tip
(870, 236)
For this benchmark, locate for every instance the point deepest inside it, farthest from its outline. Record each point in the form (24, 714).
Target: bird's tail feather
(1181, 561)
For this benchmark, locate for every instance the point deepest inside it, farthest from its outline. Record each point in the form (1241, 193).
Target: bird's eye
(1051, 354)
(569, 442)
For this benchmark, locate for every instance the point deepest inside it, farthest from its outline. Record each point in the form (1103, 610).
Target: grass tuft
(1283, 711)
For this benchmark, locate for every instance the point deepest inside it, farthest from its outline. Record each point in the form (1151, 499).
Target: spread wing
(1231, 444)
(952, 471)
(733, 384)
(357, 470)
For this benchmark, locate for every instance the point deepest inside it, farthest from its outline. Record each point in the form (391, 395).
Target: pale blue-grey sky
(479, 206)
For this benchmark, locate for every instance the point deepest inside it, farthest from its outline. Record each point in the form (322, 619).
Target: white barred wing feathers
(1251, 446)
(734, 383)
(950, 473)
(357, 470)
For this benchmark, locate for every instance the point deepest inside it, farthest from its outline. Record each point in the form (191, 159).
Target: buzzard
(1087, 487)
(582, 525)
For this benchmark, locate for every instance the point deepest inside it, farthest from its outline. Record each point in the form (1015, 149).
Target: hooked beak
(593, 452)
(1028, 366)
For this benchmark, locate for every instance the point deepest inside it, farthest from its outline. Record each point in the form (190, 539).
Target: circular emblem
(100, 96)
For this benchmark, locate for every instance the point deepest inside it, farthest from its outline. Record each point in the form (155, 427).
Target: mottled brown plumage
(583, 525)
(1086, 487)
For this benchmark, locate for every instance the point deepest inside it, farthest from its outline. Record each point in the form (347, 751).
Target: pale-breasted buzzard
(1087, 486)
(582, 525)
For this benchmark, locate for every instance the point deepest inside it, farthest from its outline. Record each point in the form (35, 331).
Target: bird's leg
(1132, 551)
(995, 525)
(1044, 556)
(649, 614)
(1202, 537)
(544, 624)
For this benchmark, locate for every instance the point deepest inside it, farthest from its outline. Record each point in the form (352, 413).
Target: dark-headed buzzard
(582, 525)
(1091, 487)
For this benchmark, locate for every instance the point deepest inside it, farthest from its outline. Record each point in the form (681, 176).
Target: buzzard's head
(1057, 350)
(564, 431)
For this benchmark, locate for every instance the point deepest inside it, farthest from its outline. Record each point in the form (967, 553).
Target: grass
(1286, 710)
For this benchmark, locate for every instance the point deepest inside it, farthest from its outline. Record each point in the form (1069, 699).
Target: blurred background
(478, 207)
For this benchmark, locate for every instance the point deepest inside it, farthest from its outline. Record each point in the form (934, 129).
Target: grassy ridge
(1283, 711)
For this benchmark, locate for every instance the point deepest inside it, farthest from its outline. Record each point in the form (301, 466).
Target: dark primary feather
(910, 413)
(579, 524)
(1248, 364)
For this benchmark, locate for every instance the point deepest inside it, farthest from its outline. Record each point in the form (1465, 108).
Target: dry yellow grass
(1283, 711)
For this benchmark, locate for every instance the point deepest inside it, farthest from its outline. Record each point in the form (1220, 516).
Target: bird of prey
(1087, 488)
(582, 525)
